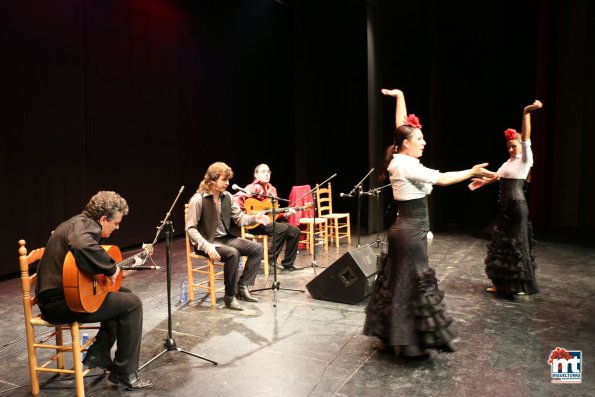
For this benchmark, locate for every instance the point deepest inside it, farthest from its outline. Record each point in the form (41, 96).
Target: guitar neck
(126, 262)
(283, 210)
(130, 260)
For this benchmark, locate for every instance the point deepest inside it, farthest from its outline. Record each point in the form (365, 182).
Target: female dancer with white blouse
(510, 262)
(406, 309)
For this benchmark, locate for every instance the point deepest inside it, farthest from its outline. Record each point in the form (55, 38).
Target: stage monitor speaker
(349, 279)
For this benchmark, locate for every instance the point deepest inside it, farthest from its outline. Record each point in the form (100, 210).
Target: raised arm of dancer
(526, 131)
(400, 106)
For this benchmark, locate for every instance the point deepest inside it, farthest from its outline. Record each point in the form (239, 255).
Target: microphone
(141, 267)
(345, 195)
(236, 187)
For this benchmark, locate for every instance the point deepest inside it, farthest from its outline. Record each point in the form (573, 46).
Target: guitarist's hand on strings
(114, 276)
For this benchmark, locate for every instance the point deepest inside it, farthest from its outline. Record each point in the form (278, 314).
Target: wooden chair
(339, 223)
(57, 344)
(207, 275)
(264, 239)
(315, 229)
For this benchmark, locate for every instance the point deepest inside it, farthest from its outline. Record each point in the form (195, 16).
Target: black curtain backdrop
(140, 96)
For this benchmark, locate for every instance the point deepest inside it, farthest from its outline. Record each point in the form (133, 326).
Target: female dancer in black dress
(406, 310)
(510, 262)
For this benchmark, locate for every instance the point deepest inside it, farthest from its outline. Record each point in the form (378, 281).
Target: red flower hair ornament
(510, 134)
(412, 121)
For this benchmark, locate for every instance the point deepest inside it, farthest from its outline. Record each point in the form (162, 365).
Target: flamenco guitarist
(285, 234)
(120, 314)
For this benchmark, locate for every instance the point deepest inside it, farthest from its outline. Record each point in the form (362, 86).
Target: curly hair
(105, 203)
(213, 173)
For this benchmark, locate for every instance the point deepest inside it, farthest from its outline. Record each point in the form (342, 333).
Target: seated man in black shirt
(121, 312)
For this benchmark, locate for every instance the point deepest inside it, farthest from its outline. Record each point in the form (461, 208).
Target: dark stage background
(140, 96)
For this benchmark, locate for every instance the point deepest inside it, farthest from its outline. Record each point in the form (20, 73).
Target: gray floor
(289, 344)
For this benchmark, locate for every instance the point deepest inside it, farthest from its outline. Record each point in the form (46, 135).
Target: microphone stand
(276, 284)
(358, 190)
(170, 343)
(376, 193)
(315, 208)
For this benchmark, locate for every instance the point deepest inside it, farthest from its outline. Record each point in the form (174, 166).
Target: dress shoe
(446, 348)
(421, 357)
(97, 359)
(522, 297)
(292, 268)
(231, 303)
(412, 352)
(130, 381)
(244, 294)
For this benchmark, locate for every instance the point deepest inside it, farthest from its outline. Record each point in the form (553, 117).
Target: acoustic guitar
(254, 206)
(85, 292)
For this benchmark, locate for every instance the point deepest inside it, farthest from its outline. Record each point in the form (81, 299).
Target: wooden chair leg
(265, 255)
(348, 231)
(212, 286)
(312, 241)
(59, 353)
(76, 360)
(190, 281)
(325, 235)
(32, 360)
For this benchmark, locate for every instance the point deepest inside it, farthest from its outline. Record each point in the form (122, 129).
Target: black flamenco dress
(406, 307)
(510, 262)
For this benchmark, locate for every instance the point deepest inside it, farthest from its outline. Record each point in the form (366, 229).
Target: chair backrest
(28, 280)
(189, 247)
(324, 200)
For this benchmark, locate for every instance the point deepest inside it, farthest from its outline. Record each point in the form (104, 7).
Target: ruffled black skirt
(406, 307)
(510, 262)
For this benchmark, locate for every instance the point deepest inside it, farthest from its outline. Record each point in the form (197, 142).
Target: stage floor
(290, 344)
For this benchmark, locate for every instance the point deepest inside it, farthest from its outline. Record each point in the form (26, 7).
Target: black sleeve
(89, 255)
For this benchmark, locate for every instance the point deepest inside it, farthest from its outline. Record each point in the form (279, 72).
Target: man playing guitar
(120, 313)
(285, 234)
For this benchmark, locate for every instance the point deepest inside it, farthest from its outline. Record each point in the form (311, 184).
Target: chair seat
(335, 216)
(40, 322)
(304, 221)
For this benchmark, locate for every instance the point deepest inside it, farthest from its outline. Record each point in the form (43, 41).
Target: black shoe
(231, 303)
(95, 359)
(411, 352)
(244, 294)
(292, 268)
(421, 357)
(522, 297)
(446, 348)
(130, 381)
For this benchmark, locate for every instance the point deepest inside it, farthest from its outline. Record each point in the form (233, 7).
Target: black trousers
(285, 235)
(231, 249)
(121, 318)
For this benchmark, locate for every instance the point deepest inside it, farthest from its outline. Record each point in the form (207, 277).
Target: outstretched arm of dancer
(526, 131)
(476, 183)
(400, 106)
(452, 177)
